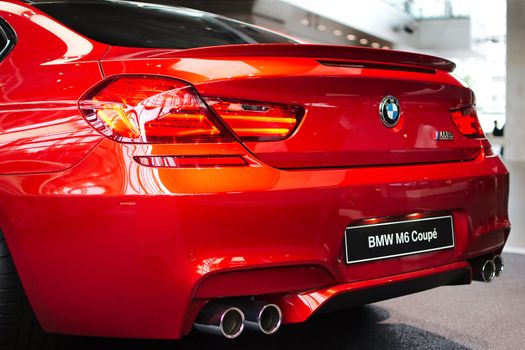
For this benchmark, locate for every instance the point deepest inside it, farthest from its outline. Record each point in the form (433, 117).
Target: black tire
(19, 328)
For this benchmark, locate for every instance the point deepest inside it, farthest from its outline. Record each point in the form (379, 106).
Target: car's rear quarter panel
(42, 79)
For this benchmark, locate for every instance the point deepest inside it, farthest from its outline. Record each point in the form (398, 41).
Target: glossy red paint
(41, 129)
(108, 247)
(336, 131)
(298, 307)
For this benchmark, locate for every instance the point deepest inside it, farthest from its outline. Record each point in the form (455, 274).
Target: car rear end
(308, 177)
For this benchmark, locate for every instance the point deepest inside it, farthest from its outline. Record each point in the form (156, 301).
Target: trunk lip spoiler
(315, 51)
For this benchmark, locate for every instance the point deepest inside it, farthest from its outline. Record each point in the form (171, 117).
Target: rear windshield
(152, 25)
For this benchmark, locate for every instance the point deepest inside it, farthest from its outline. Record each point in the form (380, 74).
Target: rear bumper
(298, 307)
(112, 248)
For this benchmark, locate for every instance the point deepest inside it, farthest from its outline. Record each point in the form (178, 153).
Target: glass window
(152, 25)
(3, 42)
(7, 39)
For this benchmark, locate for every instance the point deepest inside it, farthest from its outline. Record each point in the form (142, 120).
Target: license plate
(395, 239)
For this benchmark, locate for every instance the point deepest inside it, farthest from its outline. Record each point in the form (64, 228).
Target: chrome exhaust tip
(499, 265)
(220, 319)
(484, 270)
(262, 317)
(271, 319)
(488, 271)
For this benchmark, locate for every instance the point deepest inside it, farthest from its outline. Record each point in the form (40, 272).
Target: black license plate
(394, 239)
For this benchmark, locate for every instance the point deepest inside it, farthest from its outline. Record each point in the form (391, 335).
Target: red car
(162, 168)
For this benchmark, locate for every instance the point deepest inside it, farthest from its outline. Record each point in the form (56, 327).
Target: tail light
(191, 161)
(258, 121)
(466, 120)
(150, 109)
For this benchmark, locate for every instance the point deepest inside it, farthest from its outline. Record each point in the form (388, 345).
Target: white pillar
(515, 123)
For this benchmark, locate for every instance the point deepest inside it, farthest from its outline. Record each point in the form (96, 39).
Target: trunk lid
(341, 89)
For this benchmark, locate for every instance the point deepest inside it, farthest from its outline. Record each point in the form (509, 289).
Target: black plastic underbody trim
(371, 295)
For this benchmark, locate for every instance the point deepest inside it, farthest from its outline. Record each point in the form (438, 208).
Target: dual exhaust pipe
(486, 270)
(229, 320)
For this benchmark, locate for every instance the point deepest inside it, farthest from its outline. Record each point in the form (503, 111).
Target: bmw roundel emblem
(389, 111)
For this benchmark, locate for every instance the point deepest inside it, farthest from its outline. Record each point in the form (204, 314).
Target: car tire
(19, 328)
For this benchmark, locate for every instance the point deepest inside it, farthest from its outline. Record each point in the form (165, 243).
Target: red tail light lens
(258, 121)
(146, 109)
(466, 120)
(191, 161)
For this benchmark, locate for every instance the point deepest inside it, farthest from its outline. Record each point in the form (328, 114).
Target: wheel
(19, 328)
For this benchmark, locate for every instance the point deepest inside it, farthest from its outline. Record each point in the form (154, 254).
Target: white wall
(371, 16)
(443, 35)
(515, 125)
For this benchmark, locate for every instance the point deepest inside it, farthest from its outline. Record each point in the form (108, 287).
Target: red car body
(107, 245)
